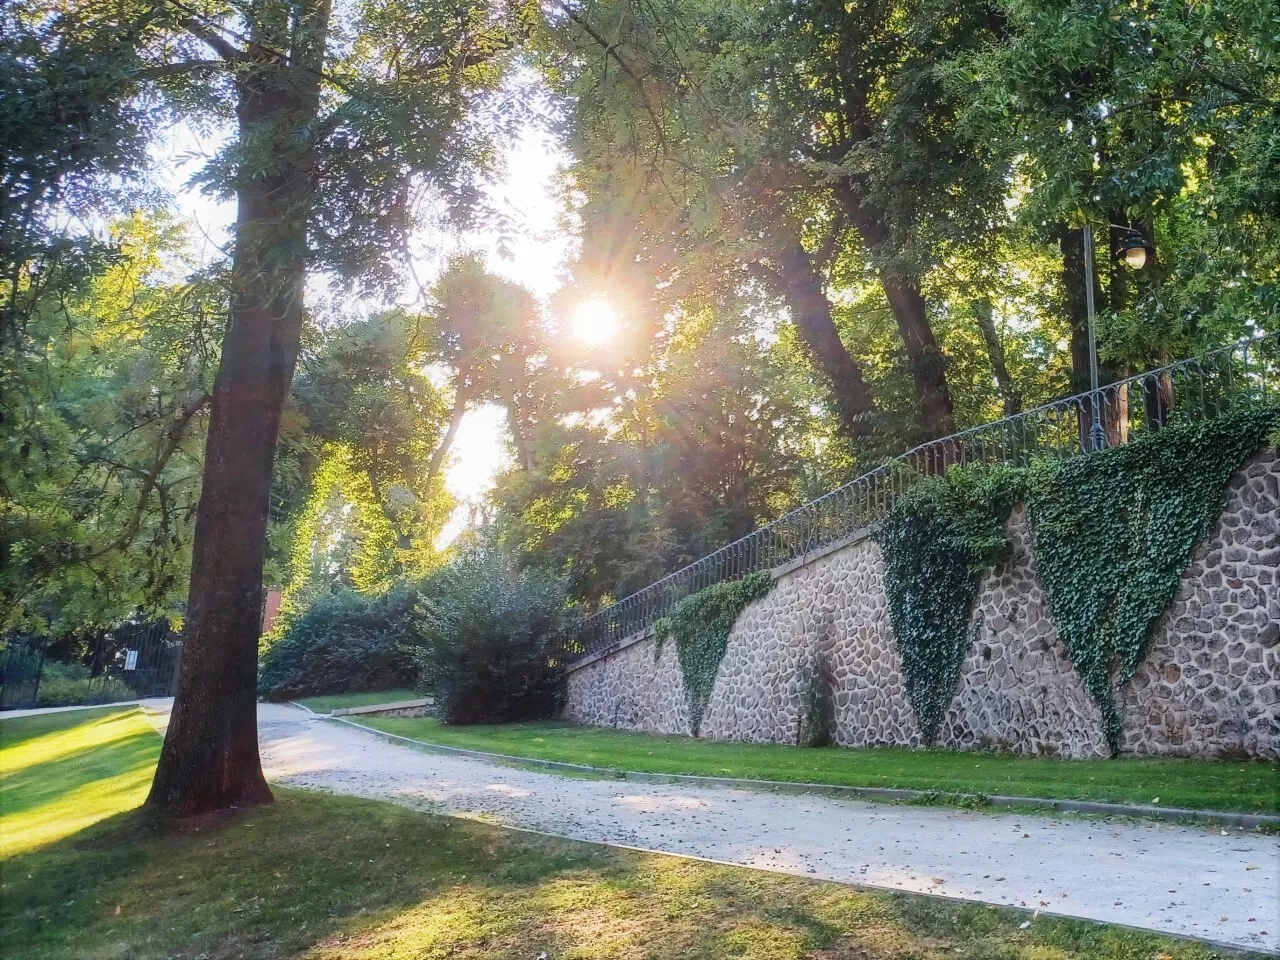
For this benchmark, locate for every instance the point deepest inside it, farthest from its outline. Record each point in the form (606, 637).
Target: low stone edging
(1246, 821)
(400, 708)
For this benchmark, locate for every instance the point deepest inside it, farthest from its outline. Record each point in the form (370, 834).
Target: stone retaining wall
(1209, 684)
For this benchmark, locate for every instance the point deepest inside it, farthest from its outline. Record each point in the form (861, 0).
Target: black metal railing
(130, 662)
(20, 666)
(1245, 374)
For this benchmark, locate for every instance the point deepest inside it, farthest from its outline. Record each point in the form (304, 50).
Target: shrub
(345, 642)
(68, 684)
(487, 633)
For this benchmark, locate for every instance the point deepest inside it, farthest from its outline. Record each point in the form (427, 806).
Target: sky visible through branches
(535, 255)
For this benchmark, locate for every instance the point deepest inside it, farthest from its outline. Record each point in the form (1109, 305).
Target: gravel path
(1218, 885)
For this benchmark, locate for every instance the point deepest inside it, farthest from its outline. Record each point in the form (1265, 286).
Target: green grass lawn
(339, 701)
(62, 772)
(313, 876)
(1195, 784)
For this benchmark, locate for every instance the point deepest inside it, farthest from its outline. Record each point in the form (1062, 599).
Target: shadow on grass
(334, 877)
(269, 881)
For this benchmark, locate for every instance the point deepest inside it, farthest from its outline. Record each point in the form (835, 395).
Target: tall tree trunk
(210, 755)
(1157, 400)
(404, 539)
(995, 352)
(801, 287)
(928, 368)
(511, 372)
(924, 357)
(461, 396)
(515, 422)
(796, 280)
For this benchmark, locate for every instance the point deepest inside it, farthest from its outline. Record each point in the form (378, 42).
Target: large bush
(487, 632)
(68, 684)
(342, 643)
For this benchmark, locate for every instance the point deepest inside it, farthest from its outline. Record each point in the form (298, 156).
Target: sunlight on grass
(441, 926)
(72, 811)
(339, 878)
(56, 783)
(68, 733)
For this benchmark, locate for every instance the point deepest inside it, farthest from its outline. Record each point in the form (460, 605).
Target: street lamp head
(1135, 250)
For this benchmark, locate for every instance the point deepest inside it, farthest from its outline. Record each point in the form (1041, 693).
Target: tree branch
(220, 45)
(173, 438)
(162, 70)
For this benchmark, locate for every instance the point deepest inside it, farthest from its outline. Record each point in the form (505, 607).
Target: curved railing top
(1244, 373)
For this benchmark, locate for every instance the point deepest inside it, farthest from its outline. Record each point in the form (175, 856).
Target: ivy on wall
(700, 625)
(1115, 530)
(1113, 533)
(937, 540)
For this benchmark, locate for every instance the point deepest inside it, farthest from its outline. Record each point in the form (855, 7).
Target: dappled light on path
(652, 804)
(1157, 875)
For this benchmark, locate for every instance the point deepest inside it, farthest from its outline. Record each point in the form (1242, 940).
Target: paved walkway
(1197, 881)
(155, 703)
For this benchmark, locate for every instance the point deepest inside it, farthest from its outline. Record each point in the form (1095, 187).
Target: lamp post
(1136, 253)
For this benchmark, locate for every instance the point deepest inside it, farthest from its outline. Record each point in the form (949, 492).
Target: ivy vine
(1113, 533)
(937, 540)
(1115, 530)
(700, 625)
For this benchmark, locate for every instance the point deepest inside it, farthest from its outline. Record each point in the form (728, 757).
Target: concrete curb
(1246, 821)
(383, 707)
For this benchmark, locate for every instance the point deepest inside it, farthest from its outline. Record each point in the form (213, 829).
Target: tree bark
(796, 280)
(1157, 400)
(404, 540)
(510, 374)
(1009, 391)
(515, 422)
(461, 395)
(924, 357)
(210, 758)
(801, 287)
(928, 368)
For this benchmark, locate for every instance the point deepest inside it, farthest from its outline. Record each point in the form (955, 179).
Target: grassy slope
(327, 877)
(1197, 784)
(341, 700)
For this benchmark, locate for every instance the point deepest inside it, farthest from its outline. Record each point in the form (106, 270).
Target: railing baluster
(1248, 371)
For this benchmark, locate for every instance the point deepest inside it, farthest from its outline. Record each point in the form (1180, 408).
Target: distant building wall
(270, 609)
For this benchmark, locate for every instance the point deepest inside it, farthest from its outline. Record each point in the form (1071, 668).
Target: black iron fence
(20, 666)
(131, 662)
(1245, 374)
(141, 658)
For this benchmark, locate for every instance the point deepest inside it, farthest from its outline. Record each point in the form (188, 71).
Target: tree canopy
(824, 232)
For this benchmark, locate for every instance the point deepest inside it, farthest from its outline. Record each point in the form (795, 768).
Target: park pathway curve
(1216, 884)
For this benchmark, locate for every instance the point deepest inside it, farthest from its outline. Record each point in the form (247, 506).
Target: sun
(594, 322)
